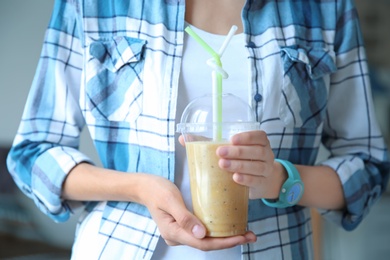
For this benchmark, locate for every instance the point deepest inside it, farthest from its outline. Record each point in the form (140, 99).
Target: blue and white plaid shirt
(113, 66)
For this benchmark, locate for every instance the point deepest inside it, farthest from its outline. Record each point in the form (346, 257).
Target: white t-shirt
(196, 81)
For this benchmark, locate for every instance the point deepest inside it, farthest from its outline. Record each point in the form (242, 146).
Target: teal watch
(292, 189)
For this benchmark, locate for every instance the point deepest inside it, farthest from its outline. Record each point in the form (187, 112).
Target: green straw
(217, 95)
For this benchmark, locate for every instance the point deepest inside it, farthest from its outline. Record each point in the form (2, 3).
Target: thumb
(191, 224)
(184, 219)
(199, 231)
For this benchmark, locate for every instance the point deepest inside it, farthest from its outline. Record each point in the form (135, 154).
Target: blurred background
(28, 234)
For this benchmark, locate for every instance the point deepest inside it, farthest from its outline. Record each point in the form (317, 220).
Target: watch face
(294, 193)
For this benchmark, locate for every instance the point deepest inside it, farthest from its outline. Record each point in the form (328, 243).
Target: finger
(260, 186)
(250, 138)
(243, 166)
(171, 243)
(257, 184)
(181, 140)
(248, 180)
(244, 152)
(209, 243)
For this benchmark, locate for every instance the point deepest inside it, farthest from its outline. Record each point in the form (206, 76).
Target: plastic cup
(219, 202)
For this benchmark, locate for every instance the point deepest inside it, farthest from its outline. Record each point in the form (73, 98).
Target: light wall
(22, 28)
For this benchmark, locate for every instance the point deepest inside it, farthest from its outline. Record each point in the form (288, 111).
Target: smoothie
(219, 202)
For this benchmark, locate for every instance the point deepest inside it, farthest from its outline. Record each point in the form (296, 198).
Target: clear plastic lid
(198, 118)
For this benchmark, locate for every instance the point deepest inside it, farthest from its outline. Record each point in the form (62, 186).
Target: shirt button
(258, 97)
(251, 44)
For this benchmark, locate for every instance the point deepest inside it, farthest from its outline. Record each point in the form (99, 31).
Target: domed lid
(234, 109)
(200, 116)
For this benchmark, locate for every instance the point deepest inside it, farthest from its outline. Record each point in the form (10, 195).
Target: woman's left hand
(251, 160)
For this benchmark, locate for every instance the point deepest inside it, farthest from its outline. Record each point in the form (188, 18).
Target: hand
(251, 159)
(176, 224)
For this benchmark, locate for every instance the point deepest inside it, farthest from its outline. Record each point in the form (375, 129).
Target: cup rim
(190, 127)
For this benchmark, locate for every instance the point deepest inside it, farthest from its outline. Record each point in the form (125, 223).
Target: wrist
(281, 176)
(291, 190)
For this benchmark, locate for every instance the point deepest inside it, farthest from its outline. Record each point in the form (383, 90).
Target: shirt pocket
(114, 85)
(305, 86)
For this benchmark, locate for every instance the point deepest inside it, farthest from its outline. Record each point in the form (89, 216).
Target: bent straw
(227, 40)
(217, 78)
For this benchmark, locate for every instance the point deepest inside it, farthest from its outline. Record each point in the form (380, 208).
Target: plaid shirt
(113, 66)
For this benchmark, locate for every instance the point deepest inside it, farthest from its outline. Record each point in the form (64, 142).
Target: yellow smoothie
(219, 202)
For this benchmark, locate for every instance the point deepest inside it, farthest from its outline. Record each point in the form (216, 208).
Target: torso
(151, 95)
(202, 14)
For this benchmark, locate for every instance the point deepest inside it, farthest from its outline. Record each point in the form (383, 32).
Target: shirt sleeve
(357, 150)
(45, 148)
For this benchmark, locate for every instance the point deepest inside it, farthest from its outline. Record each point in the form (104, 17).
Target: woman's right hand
(177, 225)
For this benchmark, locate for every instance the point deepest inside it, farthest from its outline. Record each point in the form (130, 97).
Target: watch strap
(292, 178)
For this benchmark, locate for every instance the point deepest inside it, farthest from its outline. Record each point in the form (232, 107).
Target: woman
(126, 70)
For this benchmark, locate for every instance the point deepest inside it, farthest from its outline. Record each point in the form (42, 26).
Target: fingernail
(237, 177)
(235, 139)
(225, 163)
(222, 151)
(198, 231)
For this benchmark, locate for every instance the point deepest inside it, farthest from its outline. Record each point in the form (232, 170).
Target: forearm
(176, 224)
(91, 183)
(323, 188)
